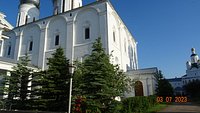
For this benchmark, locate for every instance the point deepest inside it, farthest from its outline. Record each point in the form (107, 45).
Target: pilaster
(70, 41)
(103, 29)
(1, 47)
(18, 45)
(42, 46)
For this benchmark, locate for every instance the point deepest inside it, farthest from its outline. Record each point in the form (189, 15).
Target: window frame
(30, 48)
(57, 40)
(9, 50)
(114, 36)
(87, 33)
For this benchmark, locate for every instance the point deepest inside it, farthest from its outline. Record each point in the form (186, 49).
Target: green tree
(164, 88)
(159, 75)
(53, 83)
(18, 90)
(101, 81)
(192, 88)
(36, 100)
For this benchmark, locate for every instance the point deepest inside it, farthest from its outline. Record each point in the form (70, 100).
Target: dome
(35, 2)
(193, 52)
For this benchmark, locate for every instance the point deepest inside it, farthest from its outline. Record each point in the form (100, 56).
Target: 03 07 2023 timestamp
(176, 99)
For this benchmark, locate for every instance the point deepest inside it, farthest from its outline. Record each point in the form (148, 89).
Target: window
(26, 20)
(72, 5)
(31, 46)
(113, 36)
(63, 7)
(33, 19)
(87, 33)
(9, 50)
(19, 20)
(57, 40)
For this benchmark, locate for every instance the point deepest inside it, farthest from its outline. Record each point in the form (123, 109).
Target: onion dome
(194, 57)
(193, 52)
(35, 2)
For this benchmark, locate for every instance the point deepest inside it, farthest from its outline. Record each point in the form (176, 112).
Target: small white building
(144, 82)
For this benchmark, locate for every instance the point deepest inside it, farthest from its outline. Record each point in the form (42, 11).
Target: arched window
(26, 19)
(63, 7)
(57, 40)
(9, 49)
(31, 45)
(124, 44)
(87, 33)
(86, 30)
(19, 17)
(114, 37)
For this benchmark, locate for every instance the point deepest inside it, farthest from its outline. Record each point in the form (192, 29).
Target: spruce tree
(55, 83)
(18, 89)
(163, 88)
(101, 80)
(36, 101)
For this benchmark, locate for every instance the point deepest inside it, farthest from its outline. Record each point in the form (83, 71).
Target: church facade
(74, 28)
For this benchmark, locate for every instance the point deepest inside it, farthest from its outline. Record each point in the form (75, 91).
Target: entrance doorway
(139, 88)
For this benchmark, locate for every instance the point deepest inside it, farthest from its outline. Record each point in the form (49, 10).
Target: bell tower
(61, 6)
(28, 11)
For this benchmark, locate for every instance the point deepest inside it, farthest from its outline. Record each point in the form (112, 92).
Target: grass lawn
(157, 108)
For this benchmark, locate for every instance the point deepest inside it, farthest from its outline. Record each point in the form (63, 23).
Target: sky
(165, 30)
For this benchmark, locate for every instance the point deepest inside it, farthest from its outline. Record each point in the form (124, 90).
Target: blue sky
(165, 30)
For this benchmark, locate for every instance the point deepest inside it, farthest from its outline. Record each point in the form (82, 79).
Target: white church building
(193, 68)
(73, 27)
(192, 73)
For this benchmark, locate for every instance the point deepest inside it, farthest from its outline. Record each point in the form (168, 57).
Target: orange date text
(180, 99)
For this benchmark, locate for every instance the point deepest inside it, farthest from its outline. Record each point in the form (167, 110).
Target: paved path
(181, 108)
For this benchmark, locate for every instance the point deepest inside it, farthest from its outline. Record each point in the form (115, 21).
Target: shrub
(128, 105)
(138, 104)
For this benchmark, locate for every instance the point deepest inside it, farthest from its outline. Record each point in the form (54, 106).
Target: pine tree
(18, 90)
(101, 80)
(54, 83)
(164, 88)
(36, 101)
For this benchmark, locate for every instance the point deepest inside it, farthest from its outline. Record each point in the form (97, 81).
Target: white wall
(102, 21)
(123, 46)
(7, 42)
(30, 33)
